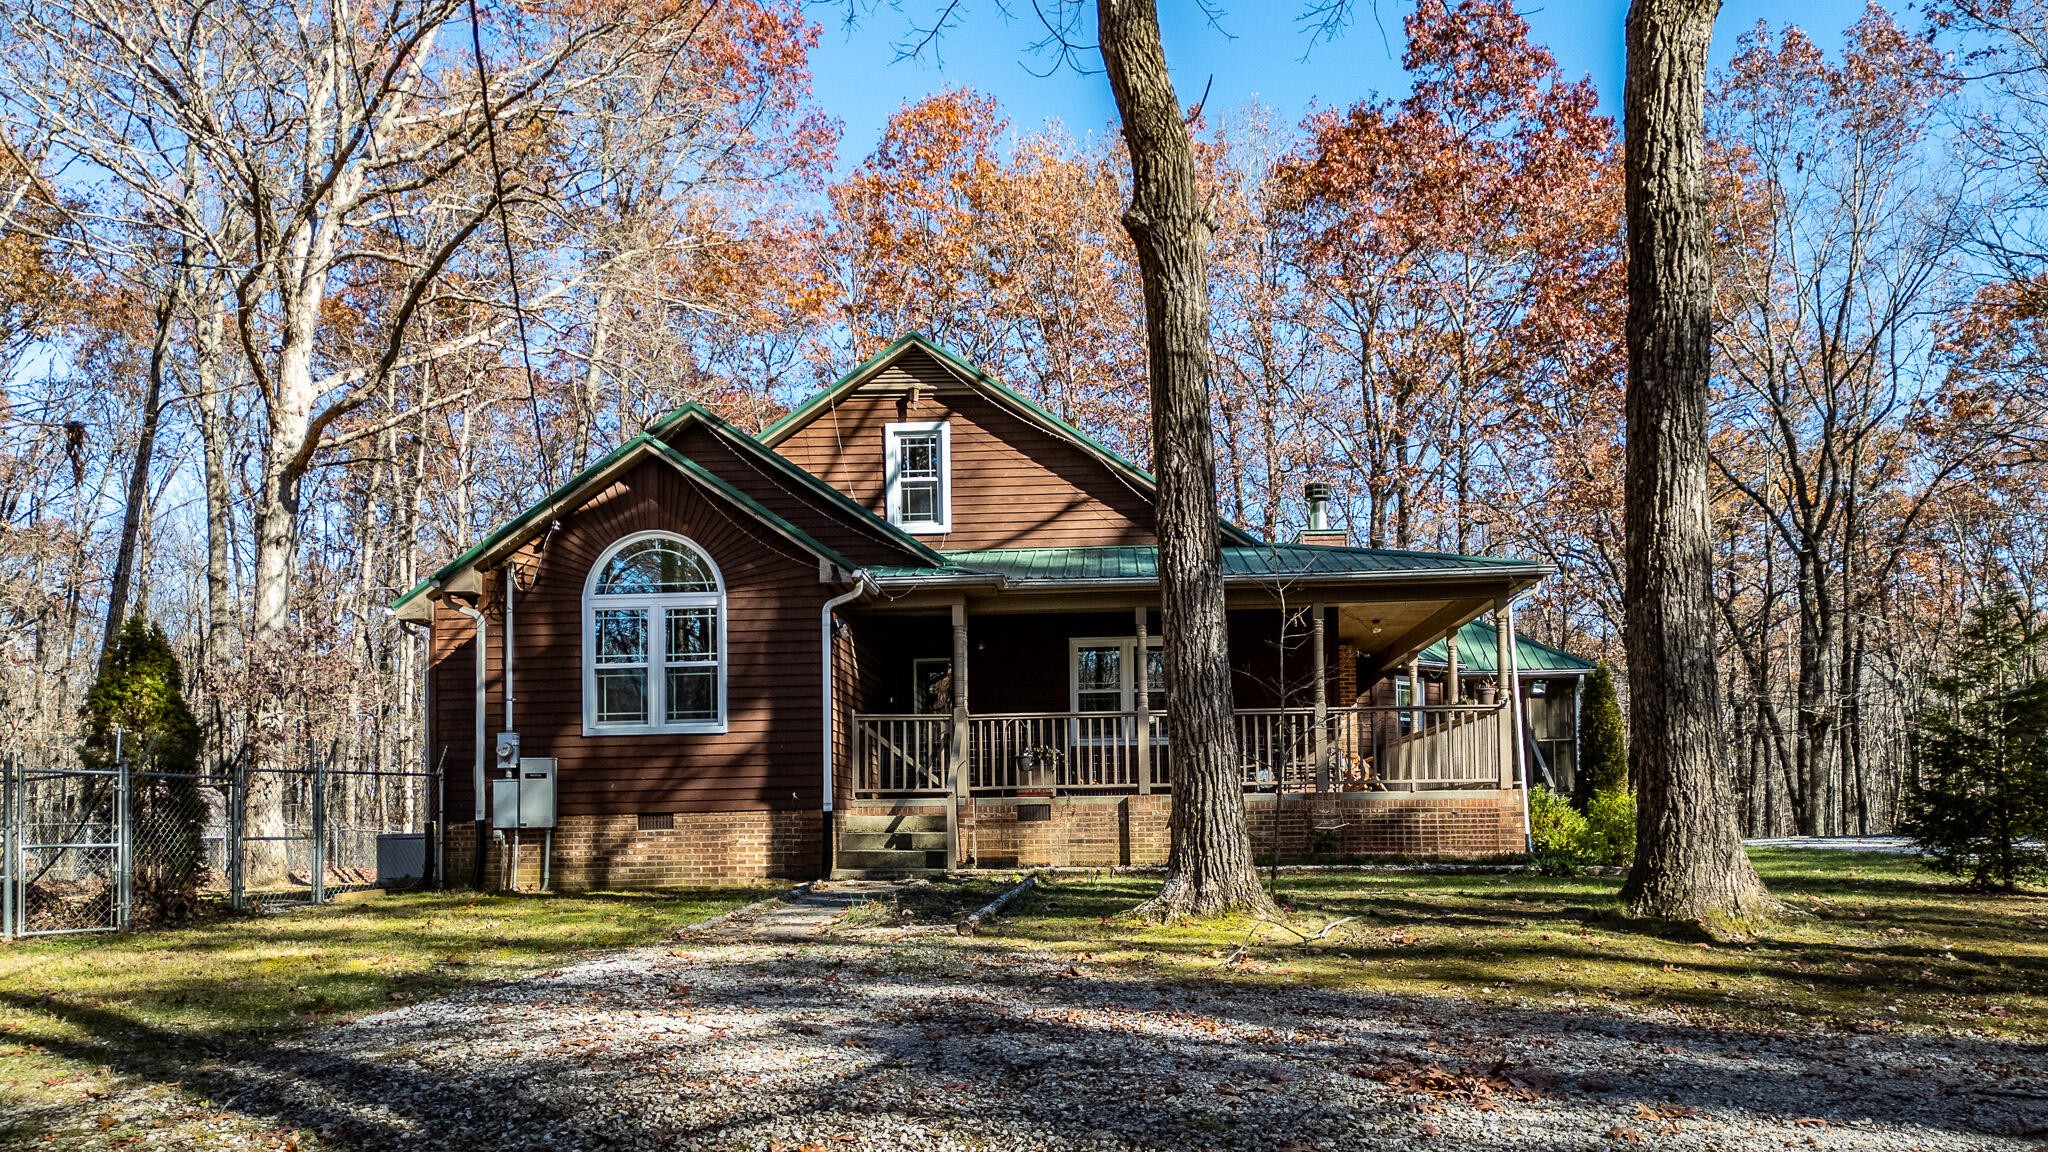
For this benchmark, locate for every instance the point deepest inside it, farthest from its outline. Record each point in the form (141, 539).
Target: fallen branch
(972, 924)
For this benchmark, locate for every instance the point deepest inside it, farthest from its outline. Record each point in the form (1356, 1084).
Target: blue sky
(1257, 54)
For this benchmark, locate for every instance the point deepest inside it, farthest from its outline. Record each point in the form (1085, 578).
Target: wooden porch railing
(1063, 753)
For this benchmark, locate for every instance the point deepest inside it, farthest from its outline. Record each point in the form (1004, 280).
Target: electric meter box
(526, 799)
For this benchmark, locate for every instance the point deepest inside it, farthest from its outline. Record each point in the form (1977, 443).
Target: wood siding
(767, 760)
(1015, 485)
(830, 524)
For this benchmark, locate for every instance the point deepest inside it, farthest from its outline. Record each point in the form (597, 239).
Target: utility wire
(483, 89)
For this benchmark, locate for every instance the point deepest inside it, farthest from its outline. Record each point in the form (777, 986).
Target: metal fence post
(124, 843)
(238, 790)
(10, 868)
(319, 861)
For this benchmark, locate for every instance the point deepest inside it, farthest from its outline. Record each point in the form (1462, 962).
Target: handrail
(1359, 747)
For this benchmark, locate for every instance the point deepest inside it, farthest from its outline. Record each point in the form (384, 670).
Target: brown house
(914, 625)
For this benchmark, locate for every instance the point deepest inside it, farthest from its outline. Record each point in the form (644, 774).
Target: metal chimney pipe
(1318, 495)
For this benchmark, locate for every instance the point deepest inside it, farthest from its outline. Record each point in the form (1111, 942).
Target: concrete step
(883, 874)
(873, 860)
(892, 841)
(936, 822)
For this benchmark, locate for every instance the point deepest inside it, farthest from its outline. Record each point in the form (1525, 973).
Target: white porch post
(1139, 625)
(1515, 710)
(1322, 736)
(1452, 694)
(1504, 643)
(956, 765)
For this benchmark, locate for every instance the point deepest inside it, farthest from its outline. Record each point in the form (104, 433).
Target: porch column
(956, 758)
(1139, 623)
(1516, 715)
(1504, 659)
(1452, 690)
(1322, 737)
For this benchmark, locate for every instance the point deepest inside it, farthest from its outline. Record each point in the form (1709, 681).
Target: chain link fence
(106, 849)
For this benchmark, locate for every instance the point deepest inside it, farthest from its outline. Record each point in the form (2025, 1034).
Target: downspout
(483, 633)
(1514, 680)
(517, 835)
(863, 585)
(509, 725)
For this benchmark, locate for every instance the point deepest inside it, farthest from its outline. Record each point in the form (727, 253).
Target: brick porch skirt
(702, 849)
(1115, 831)
(715, 848)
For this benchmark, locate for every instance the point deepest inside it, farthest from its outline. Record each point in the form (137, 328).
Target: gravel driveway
(889, 1041)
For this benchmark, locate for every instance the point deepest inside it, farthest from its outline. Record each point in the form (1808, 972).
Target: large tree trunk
(1689, 861)
(1209, 867)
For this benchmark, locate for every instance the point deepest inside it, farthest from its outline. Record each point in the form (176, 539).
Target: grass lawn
(79, 1012)
(1880, 944)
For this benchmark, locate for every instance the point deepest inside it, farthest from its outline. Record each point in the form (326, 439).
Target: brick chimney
(1319, 531)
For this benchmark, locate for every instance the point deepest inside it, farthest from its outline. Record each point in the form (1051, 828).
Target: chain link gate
(66, 848)
(105, 849)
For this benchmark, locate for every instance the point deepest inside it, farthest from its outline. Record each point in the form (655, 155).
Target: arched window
(654, 638)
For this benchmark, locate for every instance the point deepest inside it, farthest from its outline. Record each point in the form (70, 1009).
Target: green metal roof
(802, 413)
(1140, 562)
(800, 476)
(645, 442)
(527, 518)
(1478, 652)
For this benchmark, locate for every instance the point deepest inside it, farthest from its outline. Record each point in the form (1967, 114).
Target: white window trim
(657, 643)
(1133, 674)
(892, 466)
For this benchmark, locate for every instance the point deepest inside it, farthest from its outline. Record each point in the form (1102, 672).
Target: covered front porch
(1025, 706)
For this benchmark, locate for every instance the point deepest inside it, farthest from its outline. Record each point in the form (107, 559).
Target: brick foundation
(703, 849)
(1114, 831)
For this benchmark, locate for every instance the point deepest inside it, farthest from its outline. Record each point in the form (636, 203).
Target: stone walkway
(806, 913)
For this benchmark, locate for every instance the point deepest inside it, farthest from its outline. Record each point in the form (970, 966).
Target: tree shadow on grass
(991, 1039)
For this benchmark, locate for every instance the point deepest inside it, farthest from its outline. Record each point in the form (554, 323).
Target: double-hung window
(654, 639)
(1106, 674)
(918, 463)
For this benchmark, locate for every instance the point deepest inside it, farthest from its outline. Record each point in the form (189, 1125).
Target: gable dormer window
(920, 476)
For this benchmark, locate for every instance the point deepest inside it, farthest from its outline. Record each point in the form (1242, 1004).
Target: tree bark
(1209, 867)
(1689, 862)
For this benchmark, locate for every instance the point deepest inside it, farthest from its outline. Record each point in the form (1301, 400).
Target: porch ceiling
(1389, 633)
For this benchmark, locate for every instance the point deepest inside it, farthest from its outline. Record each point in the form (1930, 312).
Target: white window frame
(655, 604)
(1131, 672)
(892, 464)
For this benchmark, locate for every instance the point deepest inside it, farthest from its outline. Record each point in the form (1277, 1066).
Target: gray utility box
(525, 800)
(401, 858)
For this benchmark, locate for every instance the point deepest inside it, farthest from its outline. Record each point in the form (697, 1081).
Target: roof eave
(1134, 583)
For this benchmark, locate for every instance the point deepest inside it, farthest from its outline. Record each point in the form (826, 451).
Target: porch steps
(872, 846)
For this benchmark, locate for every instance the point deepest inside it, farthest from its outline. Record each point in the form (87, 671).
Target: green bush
(1611, 820)
(1563, 841)
(1603, 740)
(140, 693)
